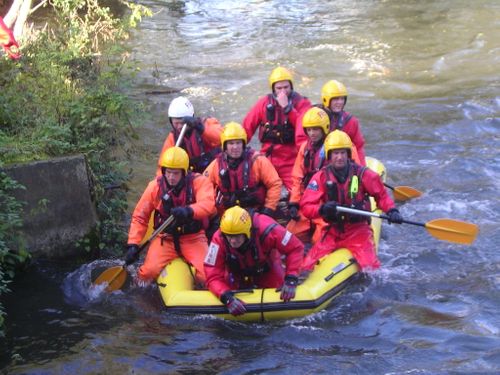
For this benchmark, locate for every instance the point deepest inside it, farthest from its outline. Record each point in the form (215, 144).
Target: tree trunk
(21, 19)
(12, 14)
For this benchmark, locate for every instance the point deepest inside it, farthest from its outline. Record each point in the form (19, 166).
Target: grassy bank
(66, 95)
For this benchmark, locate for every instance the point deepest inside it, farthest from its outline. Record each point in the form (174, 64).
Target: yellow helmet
(280, 74)
(236, 220)
(175, 158)
(232, 132)
(316, 118)
(332, 89)
(337, 140)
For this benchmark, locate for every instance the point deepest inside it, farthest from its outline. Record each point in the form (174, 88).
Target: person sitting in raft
(189, 198)
(242, 176)
(246, 253)
(334, 99)
(310, 159)
(276, 116)
(201, 140)
(344, 182)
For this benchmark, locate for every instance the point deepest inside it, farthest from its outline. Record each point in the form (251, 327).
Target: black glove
(267, 211)
(394, 216)
(132, 254)
(289, 287)
(293, 211)
(328, 211)
(247, 200)
(182, 214)
(233, 304)
(194, 123)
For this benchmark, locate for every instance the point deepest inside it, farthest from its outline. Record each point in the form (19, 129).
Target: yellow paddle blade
(115, 278)
(403, 193)
(453, 230)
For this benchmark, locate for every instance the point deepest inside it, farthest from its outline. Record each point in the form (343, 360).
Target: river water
(423, 79)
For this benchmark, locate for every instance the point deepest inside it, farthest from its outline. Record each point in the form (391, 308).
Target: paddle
(115, 276)
(403, 193)
(443, 229)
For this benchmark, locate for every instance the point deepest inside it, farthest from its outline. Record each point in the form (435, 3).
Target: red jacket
(350, 124)
(220, 254)
(257, 116)
(316, 192)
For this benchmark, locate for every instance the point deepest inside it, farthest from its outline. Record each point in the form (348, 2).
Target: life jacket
(179, 196)
(254, 261)
(277, 128)
(337, 120)
(350, 193)
(238, 186)
(314, 158)
(199, 157)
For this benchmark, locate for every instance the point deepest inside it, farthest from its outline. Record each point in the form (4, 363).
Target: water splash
(78, 287)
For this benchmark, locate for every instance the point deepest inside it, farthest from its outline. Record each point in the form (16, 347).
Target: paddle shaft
(374, 214)
(389, 186)
(181, 135)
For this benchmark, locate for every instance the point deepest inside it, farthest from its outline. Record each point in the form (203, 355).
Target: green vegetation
(65, 96)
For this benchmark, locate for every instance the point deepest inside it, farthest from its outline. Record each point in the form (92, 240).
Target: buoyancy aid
(238, 185)
(277, 128)
(178, 196)
(251, 259)
(199, 158)
(349, 193)
(314, 158)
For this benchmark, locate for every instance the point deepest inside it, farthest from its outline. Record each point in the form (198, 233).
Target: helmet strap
(342, 174)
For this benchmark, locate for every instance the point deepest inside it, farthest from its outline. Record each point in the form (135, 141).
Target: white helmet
(180, 107)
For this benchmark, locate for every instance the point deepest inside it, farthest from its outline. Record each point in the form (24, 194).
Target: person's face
(234, 148)
(314, 134)
(338, 158)
(282, 87)
(173, 176)
(177, 123)
(337, 104)
(236, 240)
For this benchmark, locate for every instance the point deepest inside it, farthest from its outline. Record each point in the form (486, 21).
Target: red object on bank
(8, 42)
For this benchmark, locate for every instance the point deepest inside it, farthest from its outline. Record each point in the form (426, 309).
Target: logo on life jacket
(313, 185)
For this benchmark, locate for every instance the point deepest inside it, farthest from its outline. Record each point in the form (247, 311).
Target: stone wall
(59, 209)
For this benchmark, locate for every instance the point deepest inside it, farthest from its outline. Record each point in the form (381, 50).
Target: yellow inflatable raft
(328, 279)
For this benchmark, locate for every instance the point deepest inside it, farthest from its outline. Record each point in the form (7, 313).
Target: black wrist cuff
(291, 280)
(226, 297)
